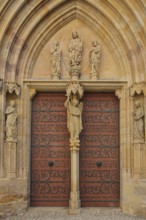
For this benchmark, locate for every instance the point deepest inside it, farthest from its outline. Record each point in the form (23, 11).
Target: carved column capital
(74, 144)
(119, 93)
(11, 87)
(32, 93)
(138, 88)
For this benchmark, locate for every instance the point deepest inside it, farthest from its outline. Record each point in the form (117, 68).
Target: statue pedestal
(10, 159)
(139, 164)
(74, 203)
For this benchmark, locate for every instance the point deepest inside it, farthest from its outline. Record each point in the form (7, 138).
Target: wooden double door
(99, 151)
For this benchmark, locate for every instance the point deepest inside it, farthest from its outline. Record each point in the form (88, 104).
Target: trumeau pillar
(74, 123)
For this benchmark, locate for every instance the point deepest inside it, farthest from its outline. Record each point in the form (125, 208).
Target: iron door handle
(50, 163)
(98, 163)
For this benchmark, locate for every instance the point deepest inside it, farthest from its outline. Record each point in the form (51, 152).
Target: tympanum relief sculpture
(94, 59)
(74, 112)
(138, 122)
(11, 122)
(75, 56)
(56, 61)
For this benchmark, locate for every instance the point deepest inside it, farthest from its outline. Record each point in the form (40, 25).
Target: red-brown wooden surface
(99, 185)
(50, 185)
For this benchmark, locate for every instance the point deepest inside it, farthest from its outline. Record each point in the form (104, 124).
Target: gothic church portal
(73, 104)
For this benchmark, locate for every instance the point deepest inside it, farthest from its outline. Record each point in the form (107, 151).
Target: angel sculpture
(74, 116)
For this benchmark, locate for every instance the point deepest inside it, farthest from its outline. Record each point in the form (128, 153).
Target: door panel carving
(50, 152)
(99, 151)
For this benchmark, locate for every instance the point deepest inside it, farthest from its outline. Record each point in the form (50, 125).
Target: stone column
(11, 139)
(74, 203)
(10, 159)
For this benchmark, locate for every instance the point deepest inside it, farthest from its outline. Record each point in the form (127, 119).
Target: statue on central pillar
(75, 55)
(74, 111)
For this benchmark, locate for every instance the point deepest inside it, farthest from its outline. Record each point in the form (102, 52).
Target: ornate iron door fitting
(99, 151)
(50, 152)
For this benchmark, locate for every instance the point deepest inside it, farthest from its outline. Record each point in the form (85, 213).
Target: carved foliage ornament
(138, 88)
(11, 87)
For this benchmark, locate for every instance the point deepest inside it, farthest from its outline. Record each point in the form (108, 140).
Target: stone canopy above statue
(76, 54)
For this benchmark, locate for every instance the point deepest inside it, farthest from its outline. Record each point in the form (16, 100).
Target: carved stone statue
(56, 61)
(11, 122)
(74, 109)
(75, 55)
(94, 59)
(138, 122)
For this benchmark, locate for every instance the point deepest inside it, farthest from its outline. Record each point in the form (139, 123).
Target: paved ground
(62, 214)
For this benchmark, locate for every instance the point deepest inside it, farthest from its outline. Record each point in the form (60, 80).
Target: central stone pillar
(74, 93)
(74, 203)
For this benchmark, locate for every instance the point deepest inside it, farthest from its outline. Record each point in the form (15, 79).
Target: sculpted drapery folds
(74, 109)
(11, 122)
(94, 59)
(56, 61)
(75, 55)
(138, 122)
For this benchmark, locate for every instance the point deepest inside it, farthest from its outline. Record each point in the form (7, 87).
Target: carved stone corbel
(119, 93)
(32, 93)
(11, 87)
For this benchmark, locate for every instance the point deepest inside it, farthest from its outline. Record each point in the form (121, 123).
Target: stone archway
(26, 39)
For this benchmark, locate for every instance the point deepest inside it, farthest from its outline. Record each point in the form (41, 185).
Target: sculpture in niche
(56, 61)
(94, 59)
(75, 56)
(12, 87)
(74, 110)
(138, 122)
(11, 122)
